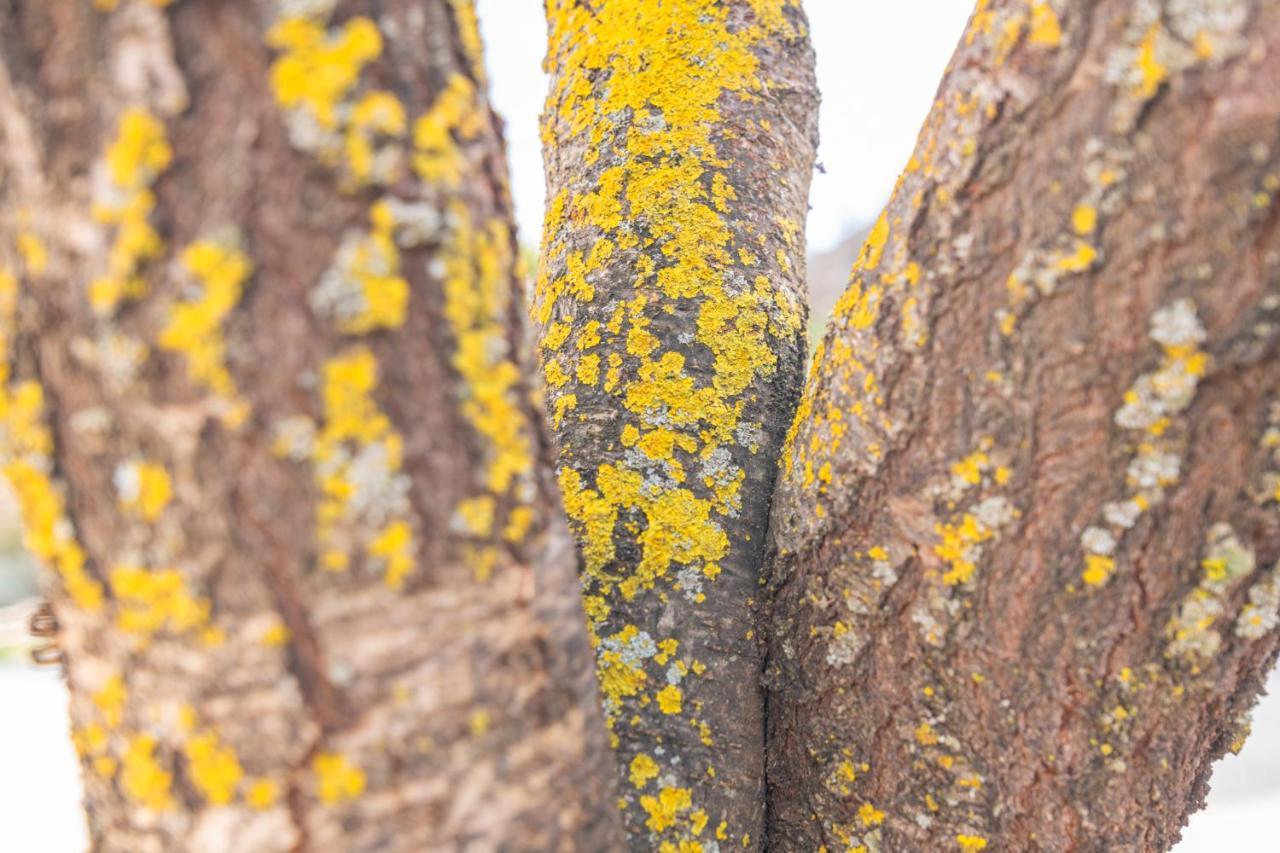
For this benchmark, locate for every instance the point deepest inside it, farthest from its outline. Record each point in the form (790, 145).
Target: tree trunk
(1024, 578)
(679, 140)
(268, 421)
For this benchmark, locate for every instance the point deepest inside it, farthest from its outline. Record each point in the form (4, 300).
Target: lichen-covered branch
(679, 139)
(264, 407)
(1025, 549)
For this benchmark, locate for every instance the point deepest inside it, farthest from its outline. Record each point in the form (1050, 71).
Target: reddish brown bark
(1024, 548)
(315, 587)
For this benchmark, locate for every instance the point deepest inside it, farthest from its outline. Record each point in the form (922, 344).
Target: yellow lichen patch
(357, 459)
(377, 115)
(276, 635)
(154, 600)
(8, 315)
(143, 489)
(643, 768)
(468, 24)
(670, 699)
(214, 769)
(194, 327)
(27, 446)
(1097, 569)
(870, 815)
(143, 778)
(336, 778)
(679, 528)
(971, 842)
(318, 69)
(35, 255)
(92, 743)
(262, 794)
(1084, 219)
(957, 547)
(437, 159)
(1080, 259)
(1193, 631)
(478, 294)
(479, 722)
(393, 546)
(1151, 71)
(109, 700)
(137, 156)
(666, 808)
(971, 467)
(363, 290)
(1149, 413)
(1045, 29)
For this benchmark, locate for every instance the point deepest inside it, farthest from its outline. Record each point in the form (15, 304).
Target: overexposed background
(878, 67)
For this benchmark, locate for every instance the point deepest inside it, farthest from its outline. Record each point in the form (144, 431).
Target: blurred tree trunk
(679, 141)
(1024, 578)
(264, 409)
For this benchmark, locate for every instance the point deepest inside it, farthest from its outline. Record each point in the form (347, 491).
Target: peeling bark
(264, 407)
(679, 140)
(1024, 549)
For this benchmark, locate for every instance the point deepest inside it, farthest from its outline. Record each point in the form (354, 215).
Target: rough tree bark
(1024, 577)
(679, 140)
(265, 414)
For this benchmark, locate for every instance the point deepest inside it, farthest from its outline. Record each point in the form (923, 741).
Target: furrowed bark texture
(267, 421)
(1024, 547)
(679, 141)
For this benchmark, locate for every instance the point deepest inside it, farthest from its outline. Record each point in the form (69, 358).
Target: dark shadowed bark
(679, 140)
(264, 411)
(1024, 575)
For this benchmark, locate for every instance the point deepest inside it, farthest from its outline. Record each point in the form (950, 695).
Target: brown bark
(679, 140)
(1025, 545)
(267, 418)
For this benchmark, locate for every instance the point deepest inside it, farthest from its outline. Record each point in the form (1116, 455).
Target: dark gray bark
(679, 144)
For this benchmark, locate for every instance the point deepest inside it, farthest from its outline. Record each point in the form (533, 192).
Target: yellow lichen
(1084, 219)
(154, 600)
(194, 327)
(262, 794)
(215, 770)
(110, 699)
(670, 699)
(318, 69)
(1151, 72)
(1045, 29)
(137, 156)
(1097, 569)
(143, 778)
(437, 158)
(666, 807)
(336, 778)
(643, 768)
(144, 489)
(357, 459)
(26, 446)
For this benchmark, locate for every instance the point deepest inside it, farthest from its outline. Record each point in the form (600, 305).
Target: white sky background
(879, 65)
